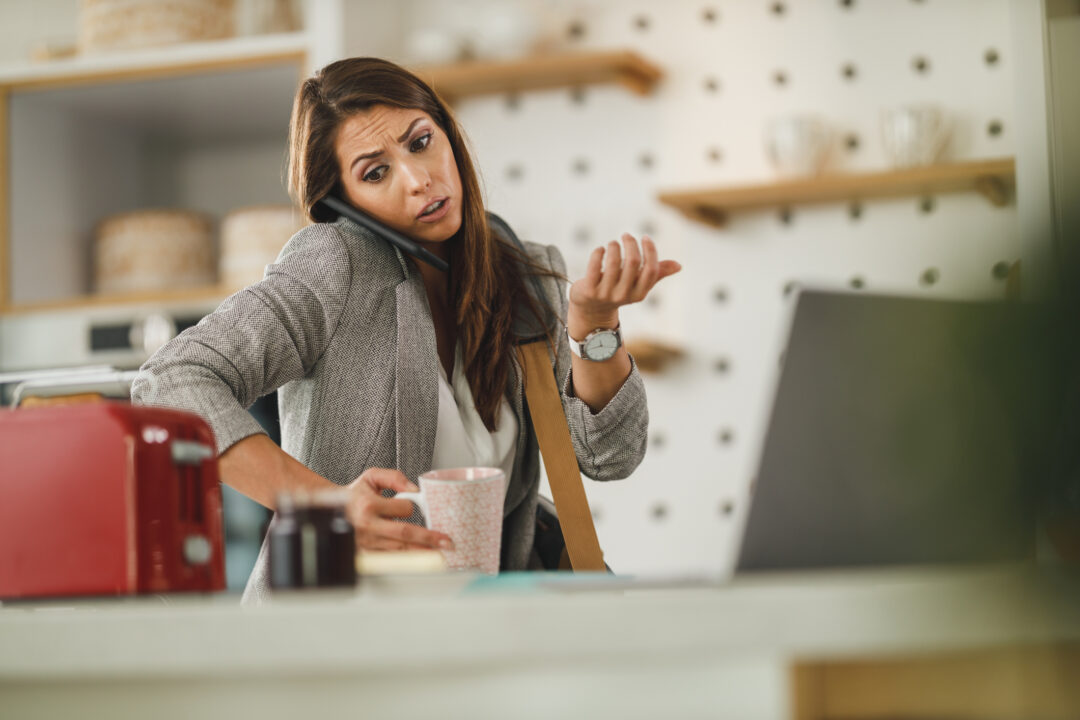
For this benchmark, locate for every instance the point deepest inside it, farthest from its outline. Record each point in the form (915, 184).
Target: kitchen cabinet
(200, 126)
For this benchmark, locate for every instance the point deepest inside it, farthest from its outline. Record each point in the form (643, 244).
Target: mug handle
(416, 498)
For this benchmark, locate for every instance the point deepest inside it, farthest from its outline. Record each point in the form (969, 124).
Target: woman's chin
(441, 234)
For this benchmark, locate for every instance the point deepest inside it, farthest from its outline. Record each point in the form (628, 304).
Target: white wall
(219, 177)
(26, 24)
(64, 171)
(670, 516)
(568, 169)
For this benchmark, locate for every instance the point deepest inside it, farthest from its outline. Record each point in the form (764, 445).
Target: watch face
(601, 346)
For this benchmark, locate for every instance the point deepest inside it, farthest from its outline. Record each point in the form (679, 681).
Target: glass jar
(312, 542)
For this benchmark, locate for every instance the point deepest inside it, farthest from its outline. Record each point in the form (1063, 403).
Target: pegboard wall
(578, 167)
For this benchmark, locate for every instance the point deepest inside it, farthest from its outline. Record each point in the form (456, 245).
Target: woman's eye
(426, 141)
(418, 145)
(372, 177)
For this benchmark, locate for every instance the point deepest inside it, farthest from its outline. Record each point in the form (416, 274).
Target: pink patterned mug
(467, 505)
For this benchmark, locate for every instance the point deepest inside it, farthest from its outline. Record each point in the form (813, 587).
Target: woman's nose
(417, 178)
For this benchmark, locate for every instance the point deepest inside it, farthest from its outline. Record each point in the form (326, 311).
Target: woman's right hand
(373, 515)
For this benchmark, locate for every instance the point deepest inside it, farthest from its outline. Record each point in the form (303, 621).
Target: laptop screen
(898, 435)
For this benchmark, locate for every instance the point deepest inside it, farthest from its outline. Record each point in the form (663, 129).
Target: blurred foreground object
(914, 135)
(77, 385)
(1030, 681)
(107, 25)
(1060, 492)
(106, 498)
(404, 562)
(311, 542)
(153, 250)
(251, 239)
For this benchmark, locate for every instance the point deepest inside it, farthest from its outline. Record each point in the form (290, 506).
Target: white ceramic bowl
(914, 135)
(798, 145)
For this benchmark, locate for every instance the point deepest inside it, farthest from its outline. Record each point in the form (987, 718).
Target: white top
(461, 438)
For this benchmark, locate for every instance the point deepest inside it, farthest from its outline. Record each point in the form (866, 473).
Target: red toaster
(106, 498)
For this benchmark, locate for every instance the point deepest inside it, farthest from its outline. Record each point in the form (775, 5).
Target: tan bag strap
(553, 434)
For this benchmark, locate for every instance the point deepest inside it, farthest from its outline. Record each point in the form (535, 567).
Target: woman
(386, 366)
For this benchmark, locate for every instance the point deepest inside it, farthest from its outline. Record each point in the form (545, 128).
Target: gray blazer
(341, 324)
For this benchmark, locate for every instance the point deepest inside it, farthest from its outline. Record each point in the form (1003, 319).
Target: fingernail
(446, 545)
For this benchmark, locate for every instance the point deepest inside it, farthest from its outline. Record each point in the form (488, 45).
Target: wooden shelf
(652, 355)
(208, 294)
(540, 72)
(169, 61)
(995, 179)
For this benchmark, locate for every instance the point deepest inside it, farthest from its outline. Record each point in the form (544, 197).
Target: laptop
(897, 436)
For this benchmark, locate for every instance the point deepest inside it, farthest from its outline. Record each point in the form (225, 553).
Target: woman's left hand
(610, 283)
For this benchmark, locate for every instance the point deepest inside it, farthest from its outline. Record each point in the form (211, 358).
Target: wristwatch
(599, 345)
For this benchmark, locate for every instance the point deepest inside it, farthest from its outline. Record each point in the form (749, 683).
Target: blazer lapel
(416, 383)
(416, 392)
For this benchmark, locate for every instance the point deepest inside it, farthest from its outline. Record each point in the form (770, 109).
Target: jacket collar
(367, 236)
(416, 378)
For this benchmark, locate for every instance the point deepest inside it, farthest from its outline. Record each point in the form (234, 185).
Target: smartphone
(392, 236)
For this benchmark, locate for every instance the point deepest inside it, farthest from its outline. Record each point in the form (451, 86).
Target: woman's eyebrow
(376, 153)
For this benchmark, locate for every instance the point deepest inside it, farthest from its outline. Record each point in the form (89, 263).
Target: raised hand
(616, 276)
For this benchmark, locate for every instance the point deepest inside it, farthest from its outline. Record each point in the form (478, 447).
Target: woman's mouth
(435, 210)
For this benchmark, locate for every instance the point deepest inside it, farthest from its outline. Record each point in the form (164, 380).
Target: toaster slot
(190, 502)
(188, 456)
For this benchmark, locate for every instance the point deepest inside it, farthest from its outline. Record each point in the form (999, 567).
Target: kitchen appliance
(68, 341)
(53, 387)
(107, 498)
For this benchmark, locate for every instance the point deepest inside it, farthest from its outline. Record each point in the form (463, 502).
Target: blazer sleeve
(264, 336)
(609, 444)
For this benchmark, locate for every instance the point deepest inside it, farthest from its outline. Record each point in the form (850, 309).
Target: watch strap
(575, 346)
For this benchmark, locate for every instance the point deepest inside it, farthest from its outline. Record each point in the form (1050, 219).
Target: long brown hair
(487, 275)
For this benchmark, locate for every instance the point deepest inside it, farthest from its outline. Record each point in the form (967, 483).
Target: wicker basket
(106, 25)
(251, 239)
(151, 250)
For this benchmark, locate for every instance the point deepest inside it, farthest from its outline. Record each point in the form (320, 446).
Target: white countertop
(428, 623)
